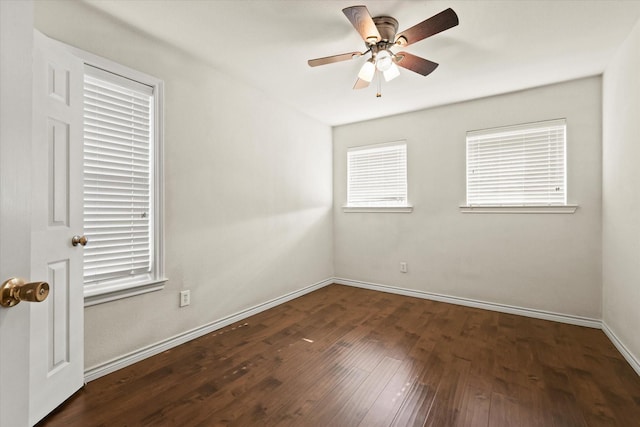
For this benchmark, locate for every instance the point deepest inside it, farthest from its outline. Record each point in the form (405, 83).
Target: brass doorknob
(82, 240)
(15, 290)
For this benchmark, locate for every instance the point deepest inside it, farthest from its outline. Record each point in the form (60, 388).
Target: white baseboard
(503, 308)
(98, 371)
(633, 361)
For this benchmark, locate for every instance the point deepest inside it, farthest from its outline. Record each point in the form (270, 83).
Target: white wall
(621, 194)
(248, 190)
(542, 261)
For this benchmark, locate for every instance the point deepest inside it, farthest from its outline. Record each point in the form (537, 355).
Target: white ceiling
(499, 46)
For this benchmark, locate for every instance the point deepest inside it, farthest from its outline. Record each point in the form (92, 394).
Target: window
(121, 187)
(522, 165)
(377, 176)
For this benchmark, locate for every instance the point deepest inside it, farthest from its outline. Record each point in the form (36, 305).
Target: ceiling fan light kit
(379, 35)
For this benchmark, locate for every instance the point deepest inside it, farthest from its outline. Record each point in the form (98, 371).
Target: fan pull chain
(379, 80)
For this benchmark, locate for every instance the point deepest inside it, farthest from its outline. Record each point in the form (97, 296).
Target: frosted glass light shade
(383, 60)
(391, 73)
(366, 72)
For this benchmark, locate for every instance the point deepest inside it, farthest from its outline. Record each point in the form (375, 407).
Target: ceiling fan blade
(361, 20)
(332, 59)
(360, 84)
(415, 63)
(437, 23)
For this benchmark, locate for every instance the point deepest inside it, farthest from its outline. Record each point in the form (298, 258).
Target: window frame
(399, 208)
(521, 206)
(125, 287)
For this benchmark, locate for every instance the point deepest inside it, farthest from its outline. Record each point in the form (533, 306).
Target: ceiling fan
(379, 35)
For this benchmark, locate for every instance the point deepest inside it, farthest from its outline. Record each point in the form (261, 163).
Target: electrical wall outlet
(185, 298)
(403, 267)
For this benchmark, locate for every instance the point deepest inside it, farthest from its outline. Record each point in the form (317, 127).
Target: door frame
(16, 44)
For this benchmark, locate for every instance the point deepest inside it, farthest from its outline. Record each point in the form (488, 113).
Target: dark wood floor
(344, 356)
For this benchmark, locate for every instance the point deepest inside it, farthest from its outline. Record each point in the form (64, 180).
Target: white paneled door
(16, 40)
(57, 328)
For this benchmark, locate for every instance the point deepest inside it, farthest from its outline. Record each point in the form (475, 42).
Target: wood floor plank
(358, 404)
(503, 411)
(474, 410)
(420, 397)
(598, 411)
(445, 410)
(347, 357)
(384, 409)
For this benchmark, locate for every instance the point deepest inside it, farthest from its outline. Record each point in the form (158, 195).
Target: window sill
(565, 209)
(386, 209)
(99, 294)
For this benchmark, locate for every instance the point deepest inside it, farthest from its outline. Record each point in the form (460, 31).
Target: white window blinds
(520, 165)
(377, 175)
(118, 136)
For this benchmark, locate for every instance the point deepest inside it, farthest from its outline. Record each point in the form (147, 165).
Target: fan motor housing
(387, 27)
